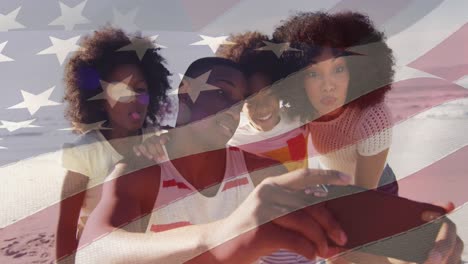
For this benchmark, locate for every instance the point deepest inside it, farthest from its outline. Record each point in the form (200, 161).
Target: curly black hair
(247, 52)
(95, 61)
(349, 34)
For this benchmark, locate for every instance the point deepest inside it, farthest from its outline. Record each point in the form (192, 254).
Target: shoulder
(74, 155)
(375, 118)
(81, 143)
(87, 138)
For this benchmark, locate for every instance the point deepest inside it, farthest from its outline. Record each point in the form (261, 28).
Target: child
(122, 93)
(269, 132)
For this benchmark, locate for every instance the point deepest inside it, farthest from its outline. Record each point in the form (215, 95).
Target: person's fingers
(305, 225)
(292, 241)
(445, 244)
(302, 178)
(429, 216)
(156, 146)
(457, 252)
(163, 139)
(328, 223)
(450, 206)
(136, 151)
(160, 149)
(144, 151)
(152, 149)
(278, 201)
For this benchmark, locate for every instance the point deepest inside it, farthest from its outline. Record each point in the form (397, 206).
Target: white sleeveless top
(179, 203)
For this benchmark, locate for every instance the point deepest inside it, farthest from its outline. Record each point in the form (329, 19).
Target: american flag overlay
(428, 101)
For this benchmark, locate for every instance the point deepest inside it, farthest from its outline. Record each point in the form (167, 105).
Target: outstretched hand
(448, 246)
(278, 215)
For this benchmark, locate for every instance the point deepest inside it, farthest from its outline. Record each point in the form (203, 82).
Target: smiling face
(127, 98)
(214, 116)
(326, 83)
(262, 109)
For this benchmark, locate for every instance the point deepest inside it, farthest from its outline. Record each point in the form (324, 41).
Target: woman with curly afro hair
(115, 97)
(338, 76)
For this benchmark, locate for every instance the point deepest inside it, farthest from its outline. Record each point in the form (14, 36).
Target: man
(220, 205)
(201, 194)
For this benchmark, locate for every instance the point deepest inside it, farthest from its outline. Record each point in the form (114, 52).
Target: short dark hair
(203, 65)
(95, 61)
(346, 33)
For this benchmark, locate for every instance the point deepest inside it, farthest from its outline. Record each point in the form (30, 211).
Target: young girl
(269, 132)
(114, 100)
(342, 72)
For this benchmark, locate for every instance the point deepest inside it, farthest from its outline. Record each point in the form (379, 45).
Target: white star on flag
(213, 42)
(3, 57)
(33, 102)
(1, 147)
(12, 126)
(70, 16)
(126, 21)
(195, 86)
(8, 22)
(88, 127)
(277, 48)
(140, 46)
(116, 91)
(463, 81)
(61, 48)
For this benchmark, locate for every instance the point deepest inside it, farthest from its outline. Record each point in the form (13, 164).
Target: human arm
(369, 169)
(266, 228)
(373, 138)
(73, 193)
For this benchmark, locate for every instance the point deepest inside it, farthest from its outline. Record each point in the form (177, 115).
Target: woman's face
(326, 83)
(127, 98)
(262, 109)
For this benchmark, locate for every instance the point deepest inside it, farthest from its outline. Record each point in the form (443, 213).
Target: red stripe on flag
(443, 181)
(449, 59)
(235, 183)
(174, 183)
(165, 227)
